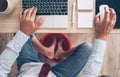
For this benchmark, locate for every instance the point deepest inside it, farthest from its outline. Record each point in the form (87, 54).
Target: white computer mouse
(102, 11)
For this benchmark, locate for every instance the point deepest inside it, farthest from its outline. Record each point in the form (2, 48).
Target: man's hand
(103, 28)
(27, 18)
(41, 49)
(61, 53)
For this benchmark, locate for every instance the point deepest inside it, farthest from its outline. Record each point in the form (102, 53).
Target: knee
(86, 48)
(89, 47)
(85, 45)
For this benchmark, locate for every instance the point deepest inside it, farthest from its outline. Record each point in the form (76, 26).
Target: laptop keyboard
(47, 7)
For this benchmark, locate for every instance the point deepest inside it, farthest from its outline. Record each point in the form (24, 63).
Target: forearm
(94, 63)
(103, 29)
(9, 55)
(7, 58)
(38, 46)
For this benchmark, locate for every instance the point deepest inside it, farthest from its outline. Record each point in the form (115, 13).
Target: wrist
(26, 33)
(101, 36)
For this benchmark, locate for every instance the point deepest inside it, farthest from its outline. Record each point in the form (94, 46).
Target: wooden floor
(111, 65)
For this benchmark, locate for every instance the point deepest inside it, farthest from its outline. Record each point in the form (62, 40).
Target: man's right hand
(27, 21)
(103, 28)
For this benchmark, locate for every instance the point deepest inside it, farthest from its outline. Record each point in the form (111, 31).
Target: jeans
(70, 67)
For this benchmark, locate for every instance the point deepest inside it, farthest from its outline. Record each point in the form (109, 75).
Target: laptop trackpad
(54, 21)
(60, 21)
(48, 21)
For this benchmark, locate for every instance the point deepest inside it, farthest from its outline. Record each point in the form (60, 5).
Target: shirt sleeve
(9, 55)
(94, 64)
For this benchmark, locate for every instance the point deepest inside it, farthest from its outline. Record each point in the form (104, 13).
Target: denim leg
(27, 54)
(74, 63)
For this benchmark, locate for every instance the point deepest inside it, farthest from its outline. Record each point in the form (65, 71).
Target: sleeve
(94, 64)
(9, 55)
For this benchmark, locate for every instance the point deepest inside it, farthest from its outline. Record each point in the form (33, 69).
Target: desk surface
(10, 23)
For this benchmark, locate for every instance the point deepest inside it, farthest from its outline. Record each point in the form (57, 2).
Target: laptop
(53, 12)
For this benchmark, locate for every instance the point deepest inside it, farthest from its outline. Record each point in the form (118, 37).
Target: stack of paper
(85, 4)
(85, 17)
(85, 20)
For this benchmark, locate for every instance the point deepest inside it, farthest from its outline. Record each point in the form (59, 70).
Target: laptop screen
(113, 4)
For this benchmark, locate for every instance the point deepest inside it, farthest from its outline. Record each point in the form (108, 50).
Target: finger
(107, 13)
(20, 14)
(25, 13)
(97, 18)
(38, 23)
(34, 13)
(30, 11)
(113, 21)
(54, 42)
(112, 10)
(112, 24)
(60, 43)
(109, 29)
(112, 17)
(112, 13)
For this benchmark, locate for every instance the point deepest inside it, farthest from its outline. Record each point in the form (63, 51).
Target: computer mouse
(102, 11)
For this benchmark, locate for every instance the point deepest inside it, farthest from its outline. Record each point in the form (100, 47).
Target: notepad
(85, 20)
(85, 4)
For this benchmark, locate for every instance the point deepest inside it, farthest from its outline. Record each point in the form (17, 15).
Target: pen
(73, 15)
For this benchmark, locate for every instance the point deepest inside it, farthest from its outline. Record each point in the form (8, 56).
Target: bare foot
(50, 51)
(59, 53)
(50, 54)
(47, 51)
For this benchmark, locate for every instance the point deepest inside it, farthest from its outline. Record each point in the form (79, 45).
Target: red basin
(47, 40)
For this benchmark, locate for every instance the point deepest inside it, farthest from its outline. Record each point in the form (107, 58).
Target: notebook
(85, 4)
(85, 20)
